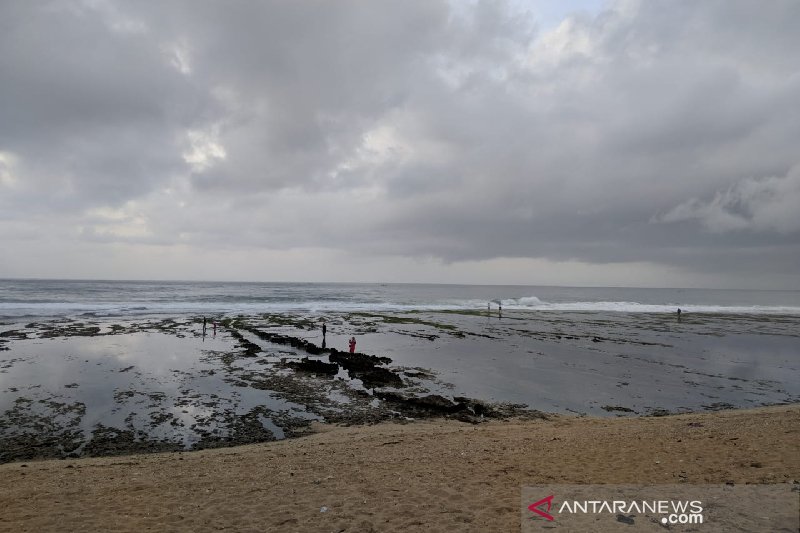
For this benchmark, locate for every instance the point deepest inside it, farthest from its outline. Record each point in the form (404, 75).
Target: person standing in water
(679, 314)
(324, 330)
(352, 344)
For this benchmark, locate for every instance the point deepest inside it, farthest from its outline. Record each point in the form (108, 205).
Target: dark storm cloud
(303, 80)
(647, 116)
(662, 132)
(90, 109)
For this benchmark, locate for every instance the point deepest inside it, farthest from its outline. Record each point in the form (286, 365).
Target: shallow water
(106, 387)
(158, 385)
(583, 362)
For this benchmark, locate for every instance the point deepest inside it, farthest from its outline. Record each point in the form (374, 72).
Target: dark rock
(250, 348)
(617, 408)
(377, 377)
(71, 331)
(313, 349)
(435, 402)
(719, 406)
(314, 366)
(14, 334)
(468, 418)
(432, 404)
(362, 366)
(476, 407)
(357, 361)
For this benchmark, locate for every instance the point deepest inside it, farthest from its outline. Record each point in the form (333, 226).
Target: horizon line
(143, 280)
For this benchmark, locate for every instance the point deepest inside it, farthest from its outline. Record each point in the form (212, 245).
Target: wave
(525, 301)
(636, 307)
(10, 310)
(16, 311)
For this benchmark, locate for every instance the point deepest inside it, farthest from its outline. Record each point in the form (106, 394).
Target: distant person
(324, 330)
(352, 344)
(679, 314)
(204, 325)
(214, 325)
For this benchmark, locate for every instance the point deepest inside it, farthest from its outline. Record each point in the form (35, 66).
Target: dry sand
(426, 476)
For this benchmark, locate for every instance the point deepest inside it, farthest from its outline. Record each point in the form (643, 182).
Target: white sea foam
(635, 307)
(516, 304)
(523, 303)
(535, 304)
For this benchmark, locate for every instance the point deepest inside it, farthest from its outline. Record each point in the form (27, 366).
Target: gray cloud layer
(663, 132)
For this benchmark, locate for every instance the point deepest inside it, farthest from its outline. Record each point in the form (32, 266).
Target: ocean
(56, 298)
(103, 367)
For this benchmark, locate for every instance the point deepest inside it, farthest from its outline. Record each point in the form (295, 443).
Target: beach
(151, 408)
(90, 386)
(424, 476)
(399, 266)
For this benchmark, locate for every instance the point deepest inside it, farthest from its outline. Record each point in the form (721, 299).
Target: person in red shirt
(352, 344)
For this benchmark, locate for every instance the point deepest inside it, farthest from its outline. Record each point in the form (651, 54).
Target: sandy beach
(425, 266)
(136, 424)
(432, 475)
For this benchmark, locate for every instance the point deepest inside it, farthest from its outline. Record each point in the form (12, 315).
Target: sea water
(58, 298)
(596, 351)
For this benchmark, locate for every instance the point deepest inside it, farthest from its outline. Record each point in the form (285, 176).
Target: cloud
(451, 132)
(762, 205)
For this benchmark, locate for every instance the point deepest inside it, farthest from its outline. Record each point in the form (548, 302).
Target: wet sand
(439, 475)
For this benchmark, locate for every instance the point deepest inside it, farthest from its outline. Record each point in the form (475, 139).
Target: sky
(591, 143)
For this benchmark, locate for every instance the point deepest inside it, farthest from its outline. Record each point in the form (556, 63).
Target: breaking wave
(53, 298)
(533, 303)
(527, 303)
